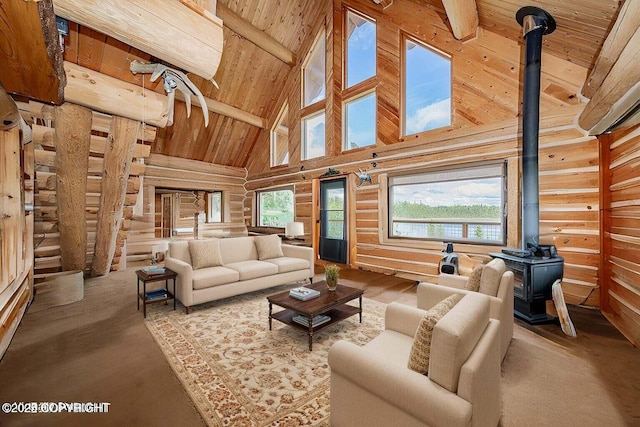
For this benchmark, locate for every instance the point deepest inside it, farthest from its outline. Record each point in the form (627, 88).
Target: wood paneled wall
(16, 232)
(620, 303)
(165, 172)
(487, 87)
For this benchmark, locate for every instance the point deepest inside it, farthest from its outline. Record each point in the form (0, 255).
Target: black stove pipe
(535, 23)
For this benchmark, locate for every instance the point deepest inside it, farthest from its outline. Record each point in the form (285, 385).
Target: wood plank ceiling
(251, 79)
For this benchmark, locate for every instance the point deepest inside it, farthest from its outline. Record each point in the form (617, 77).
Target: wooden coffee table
(332, 304)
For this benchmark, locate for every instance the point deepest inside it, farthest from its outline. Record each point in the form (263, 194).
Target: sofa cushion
(213, 276)
(421, 348)
(454, 338)
(287, 264)
(238, 249)
(473, 283)
(204, 253)
(253, 269)
(491, 276)
(268, 246)
(179, 249)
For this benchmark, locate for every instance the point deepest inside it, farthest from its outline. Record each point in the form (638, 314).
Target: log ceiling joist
(165, 29)
(30, 55)
(463, 17)
(614, 81)
(623, 29)
(239, 25)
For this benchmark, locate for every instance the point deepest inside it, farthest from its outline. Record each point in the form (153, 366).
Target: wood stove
(533, 277)
(535, 267)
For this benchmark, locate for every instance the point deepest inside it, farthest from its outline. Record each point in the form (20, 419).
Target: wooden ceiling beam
(30, 54)
(618, 93)
(165, 29)
(463, 17)
(626, 25)
(112, 96)
(230, 111)
(239, 25)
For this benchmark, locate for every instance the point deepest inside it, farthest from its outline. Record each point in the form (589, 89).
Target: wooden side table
(150, 297)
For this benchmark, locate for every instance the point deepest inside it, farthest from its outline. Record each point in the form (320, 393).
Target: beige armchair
(496, 280)
(372, 385)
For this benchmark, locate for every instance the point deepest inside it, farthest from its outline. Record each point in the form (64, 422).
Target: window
(313, 136)
(214, 206)
(427, 88)
(313, 94)
(313, 73)
(280, 139)
(275, 207)
(465, 205)
(360, 63)
(360, 122)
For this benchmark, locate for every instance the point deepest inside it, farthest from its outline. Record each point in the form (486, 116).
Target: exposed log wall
(621, 231)
(485, 126)
(47, 229)
(172, 173)
(16, 232)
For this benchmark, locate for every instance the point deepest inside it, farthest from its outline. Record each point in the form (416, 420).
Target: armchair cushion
(491, 276)
(421, 348)
(473, 283)
(205, 253)
(268, 246)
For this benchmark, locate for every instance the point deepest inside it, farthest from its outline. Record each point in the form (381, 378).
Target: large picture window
(427, 88)
(275, 207)
(463, 205)
(313, 72)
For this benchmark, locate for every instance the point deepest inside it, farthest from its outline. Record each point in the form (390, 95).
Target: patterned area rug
(239, 373)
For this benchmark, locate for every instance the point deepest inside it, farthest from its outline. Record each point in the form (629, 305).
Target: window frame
(452, 170)
(258, 194)
(304, 152)
(274, 135)
(209, 208)
(345, 127)
(404, 38)
(320, 37)
(345, 49)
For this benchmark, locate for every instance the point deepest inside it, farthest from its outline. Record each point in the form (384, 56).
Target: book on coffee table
(303, 293)
(154, 269)
(316, 321)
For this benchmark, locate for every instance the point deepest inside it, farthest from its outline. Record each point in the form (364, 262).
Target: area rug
(239, 373)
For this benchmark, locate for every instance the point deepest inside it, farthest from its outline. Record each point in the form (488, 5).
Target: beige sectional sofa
(213, 269)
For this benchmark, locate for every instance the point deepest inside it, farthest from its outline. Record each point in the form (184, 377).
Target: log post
(118, 155)
(72, 141)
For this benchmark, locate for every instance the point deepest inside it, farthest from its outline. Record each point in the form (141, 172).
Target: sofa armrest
(396, 385)
(429, 294)
(402, 318)
(184, 281)
(301, 252)
(453, 281)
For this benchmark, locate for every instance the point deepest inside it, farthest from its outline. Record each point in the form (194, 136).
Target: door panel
(333, 225)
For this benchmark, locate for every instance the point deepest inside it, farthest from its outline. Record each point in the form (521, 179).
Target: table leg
(138, 292)
(174, 293)
(144, 298)
(270, 308)
(360, 308)
(310, 319)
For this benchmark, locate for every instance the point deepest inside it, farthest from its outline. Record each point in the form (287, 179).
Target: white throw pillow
(205, 253)
(268, 246)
